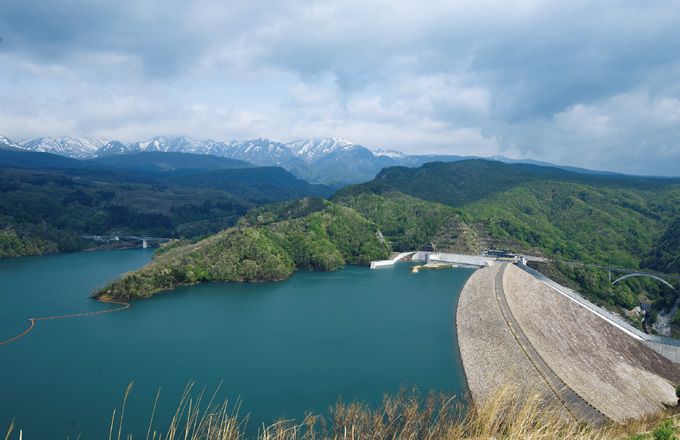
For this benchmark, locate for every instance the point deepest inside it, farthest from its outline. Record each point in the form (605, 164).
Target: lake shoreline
(284, 348)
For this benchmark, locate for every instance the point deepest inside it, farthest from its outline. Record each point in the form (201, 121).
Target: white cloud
(631, 132)
(575, 83)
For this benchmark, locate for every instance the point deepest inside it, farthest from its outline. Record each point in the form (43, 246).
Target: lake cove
(283, 348)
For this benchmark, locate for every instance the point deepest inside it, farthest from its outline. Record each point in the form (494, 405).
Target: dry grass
(407, 415)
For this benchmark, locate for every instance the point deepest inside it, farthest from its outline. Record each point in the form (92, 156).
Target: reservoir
(280, 349)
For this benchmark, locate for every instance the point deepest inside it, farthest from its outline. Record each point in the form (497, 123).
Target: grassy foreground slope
(409, 415)
(268, 244)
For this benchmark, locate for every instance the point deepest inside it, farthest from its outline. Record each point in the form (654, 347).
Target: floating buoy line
(124, 306)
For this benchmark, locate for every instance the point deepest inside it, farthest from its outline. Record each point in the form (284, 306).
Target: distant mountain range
(333, 160)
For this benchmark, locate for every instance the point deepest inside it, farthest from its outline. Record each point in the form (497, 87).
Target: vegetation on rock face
(267, 245)
(406, 222)
(594, 284)
(573, 221)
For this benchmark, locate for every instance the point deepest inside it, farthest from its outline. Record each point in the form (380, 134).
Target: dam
(457, 260)
(515, 326)
(617, 375)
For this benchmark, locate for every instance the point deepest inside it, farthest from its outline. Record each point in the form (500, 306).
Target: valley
(466, 206)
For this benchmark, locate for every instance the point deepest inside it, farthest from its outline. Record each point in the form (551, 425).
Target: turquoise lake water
(281, 348)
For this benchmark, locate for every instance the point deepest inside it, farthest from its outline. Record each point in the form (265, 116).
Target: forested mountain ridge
(619, 221)
(49, 202)
(268, 244)
(594, 219)
(333, 161)
(168, 162)
(460, 183)
(47, 212)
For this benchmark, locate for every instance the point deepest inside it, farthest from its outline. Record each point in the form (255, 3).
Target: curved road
(577, 407)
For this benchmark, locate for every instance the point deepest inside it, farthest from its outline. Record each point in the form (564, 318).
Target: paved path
(577, 407)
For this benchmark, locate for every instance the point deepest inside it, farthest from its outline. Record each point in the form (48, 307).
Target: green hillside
(166, 162)
(261, 184)
(405, 221)
(593, 219)
(42, 212)
(48, 203)
(267, 245)
(466, 206)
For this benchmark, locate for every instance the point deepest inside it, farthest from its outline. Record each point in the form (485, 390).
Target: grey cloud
(562, 61)
(525, 78)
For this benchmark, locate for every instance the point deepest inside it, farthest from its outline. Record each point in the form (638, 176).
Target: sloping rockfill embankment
(490, 354)
(615, 373)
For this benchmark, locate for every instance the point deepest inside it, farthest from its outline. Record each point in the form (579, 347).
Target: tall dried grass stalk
(506, 415)
(11, 428)
(410, 416)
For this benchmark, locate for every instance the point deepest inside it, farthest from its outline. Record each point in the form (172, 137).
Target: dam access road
(514, 330)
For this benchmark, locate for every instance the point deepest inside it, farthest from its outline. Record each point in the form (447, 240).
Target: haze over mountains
(329, 161)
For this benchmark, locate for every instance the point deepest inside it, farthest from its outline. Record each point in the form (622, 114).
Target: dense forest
(592, 219)
(44, 213)
(47, 209)
(267, 245)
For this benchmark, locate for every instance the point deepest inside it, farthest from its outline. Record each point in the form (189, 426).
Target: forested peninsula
(573, 219)
(268, 244)
(461, 207)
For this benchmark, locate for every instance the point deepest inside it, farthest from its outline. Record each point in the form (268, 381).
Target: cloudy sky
(584, 83)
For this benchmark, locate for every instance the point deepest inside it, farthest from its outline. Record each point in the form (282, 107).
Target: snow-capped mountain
(312, 150)
(5, 142)
(263, 152)
(113, 147)
(77, 148)
(387, 153)
(178, 144)
(316, 160)
(329, 161)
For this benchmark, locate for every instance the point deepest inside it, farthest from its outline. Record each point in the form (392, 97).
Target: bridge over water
(637, 273)
(633, 273)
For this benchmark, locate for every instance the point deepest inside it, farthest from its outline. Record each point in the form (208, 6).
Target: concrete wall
(382, 263)
(467, 260)
(667, 347)
(459, 259)
(671, 352)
